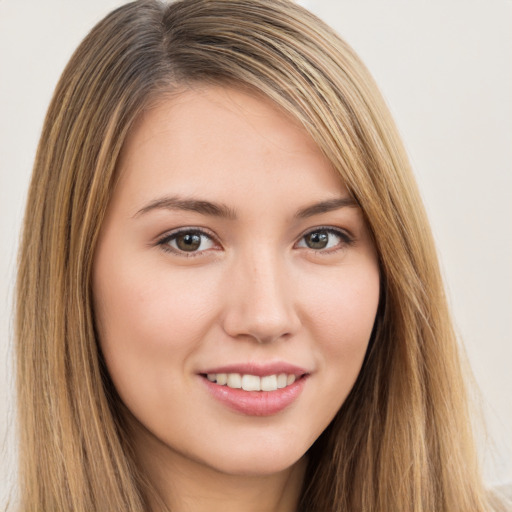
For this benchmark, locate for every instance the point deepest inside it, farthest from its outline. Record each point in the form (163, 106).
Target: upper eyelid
(186, 229)
(331, 229)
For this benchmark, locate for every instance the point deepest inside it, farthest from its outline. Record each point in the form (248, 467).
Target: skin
(254, 290)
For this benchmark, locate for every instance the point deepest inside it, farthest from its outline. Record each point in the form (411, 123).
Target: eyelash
(346, 240)
(164, 241)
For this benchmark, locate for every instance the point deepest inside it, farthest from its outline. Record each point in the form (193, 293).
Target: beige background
(445, 68)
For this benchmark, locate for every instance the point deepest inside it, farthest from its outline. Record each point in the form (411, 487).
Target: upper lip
(258, 369)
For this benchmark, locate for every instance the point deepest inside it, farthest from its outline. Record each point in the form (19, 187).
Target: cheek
(143, 299)
(342, 314)
(346, 305)
(339, 314)
(149, 321)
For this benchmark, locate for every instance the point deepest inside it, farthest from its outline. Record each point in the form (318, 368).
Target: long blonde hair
(402, 440)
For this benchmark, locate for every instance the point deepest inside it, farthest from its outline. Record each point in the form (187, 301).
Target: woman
(228, 294)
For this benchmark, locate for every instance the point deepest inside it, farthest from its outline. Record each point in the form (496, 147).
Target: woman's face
(231, 255)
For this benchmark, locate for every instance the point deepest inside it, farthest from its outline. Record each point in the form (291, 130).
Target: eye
(187, 241)
(322, 239)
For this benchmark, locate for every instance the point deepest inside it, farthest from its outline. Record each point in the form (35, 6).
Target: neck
(212, 491)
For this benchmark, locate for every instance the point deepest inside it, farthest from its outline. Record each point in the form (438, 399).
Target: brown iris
(317, 239)
(188, 241)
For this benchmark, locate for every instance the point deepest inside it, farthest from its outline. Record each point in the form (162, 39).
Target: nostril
(242, 325)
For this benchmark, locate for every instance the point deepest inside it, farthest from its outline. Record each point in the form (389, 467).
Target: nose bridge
(260, 302)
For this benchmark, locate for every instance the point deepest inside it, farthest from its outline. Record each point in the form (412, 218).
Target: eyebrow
(221, 210)
(194, 205)
(326, 206)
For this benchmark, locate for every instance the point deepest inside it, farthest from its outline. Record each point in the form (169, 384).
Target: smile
(249, 382)
(265, 394)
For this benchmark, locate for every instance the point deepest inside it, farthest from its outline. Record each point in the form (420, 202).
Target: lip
(257, 403)
(259, 369)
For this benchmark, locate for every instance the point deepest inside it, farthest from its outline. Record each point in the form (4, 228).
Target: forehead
(222, 141)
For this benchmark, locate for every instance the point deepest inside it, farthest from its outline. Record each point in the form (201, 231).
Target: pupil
(189, 242)
(317, 240)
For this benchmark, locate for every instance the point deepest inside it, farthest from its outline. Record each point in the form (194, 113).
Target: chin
(257, 459)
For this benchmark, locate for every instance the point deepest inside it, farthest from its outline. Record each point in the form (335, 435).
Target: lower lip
(256, 403)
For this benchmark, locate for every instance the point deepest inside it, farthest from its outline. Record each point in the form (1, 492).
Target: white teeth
(269, 383)
(252, 382)
(234, 380)
(281, 380)
(222, 378)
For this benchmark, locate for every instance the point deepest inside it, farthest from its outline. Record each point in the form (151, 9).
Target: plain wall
(445, 68)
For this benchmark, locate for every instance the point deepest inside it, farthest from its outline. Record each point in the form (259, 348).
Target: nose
(260, 301)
